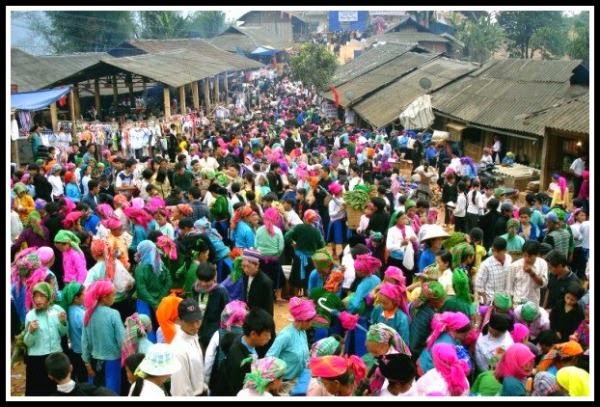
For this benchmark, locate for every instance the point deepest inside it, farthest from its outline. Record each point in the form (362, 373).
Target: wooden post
(226, 86)
(54, 117)
(216, 89)
(195, 95)
(72, 109)
(97, 96)
(182, 99)
(206, 95)
(167, 100)
(115, 90)
(77, 102)
(544, 173)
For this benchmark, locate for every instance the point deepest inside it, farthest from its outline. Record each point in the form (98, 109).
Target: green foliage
(520, 26)
(83, 31)
(314, 65)
(579, 44)
(207, 24)
(551, 40)
(480, 38)
(163, 24)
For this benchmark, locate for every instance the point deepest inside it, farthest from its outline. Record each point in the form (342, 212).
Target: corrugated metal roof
(379, 77)
(232, 42)
(31, 72)
(368, 61)
(404, 37)
(249, 38)
(384, 106)
(501, 92)
(571, 116)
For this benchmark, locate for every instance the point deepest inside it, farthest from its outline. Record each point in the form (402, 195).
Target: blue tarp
(37, 100)
(348, 20)
(264, 52)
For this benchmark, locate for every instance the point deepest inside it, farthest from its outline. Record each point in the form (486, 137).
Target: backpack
(218, 383)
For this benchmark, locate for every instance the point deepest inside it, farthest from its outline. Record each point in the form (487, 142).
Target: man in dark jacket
(200, 209)
(59, 369)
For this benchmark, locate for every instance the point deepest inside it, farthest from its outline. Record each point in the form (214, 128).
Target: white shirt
(16, 226)
(485, 348)
(394, 237)
(461, 206)
(434, 382)
(210, 356)
(354, 182)
(189, 380)
(149, 391)
(336, 211)
(349, 273)
(585, 233)
(578, 166)
(210, 163)
(58, 187)
(477, 207)
(412, 392)
(521, 286)
(292, 218)
(497, 146)
(252, 393)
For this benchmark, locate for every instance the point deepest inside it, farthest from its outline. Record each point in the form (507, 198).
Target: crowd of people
(158, 276)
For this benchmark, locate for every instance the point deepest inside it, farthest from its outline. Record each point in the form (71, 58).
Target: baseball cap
(189, 310)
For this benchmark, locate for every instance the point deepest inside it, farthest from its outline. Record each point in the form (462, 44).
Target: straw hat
(160, 361)
(434, 232)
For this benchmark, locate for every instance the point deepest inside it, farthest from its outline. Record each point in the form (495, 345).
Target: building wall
(435, 46)
(274, 21)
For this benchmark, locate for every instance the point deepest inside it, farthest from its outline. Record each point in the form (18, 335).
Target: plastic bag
(409, 257)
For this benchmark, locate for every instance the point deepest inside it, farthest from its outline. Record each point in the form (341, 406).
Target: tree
(551, 40)
(314, 65)
(207, 24)
(480, 38)
(520, 26)
(579, 44)
(82, 31)
(162, 25)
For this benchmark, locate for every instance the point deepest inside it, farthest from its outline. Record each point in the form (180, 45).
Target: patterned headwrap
(513, 361)
(66, 236)
(167, 246)
(453, 370)
(33, 220)
(560, 214)
(263, 372)
(447, 321)
(332, 285)
(239, 214)
(234, 313)
(459, 252)
(544, 383)
(324, 347)
(432, 215)
(574, 380)
(93, 294)
(45, 289)
(69, 292)
(395, 274)
(105, 211)
(502, 301)
(322, 259)
(26, 261)
(302, 309)
(529, 311)
(147, 255)
(237, 270)
(429, 292)
(366, 263)
(185, 209)
(136, 326)
(329, 367)
(460, 284)
(560, 351)
(36, 277)
(166, 314)
(310, 216)
(270, 219)
(381, 333)
(40, 204)
(72, 219)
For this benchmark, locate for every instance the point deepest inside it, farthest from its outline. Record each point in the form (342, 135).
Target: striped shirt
(492, 276)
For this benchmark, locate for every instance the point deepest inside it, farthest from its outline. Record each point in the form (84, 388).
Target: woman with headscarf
(422, 311)
(331, 345)
(33, 235)
(399, 235)
(141, 225)
(23, 201)
(137, 327)
(269, 242)
(340, 375)
(574, 380)
(448, 327)
(306, 240)
(224, 263)
(448, 376)
(242, 232)
(462, 300)
(74, 264)
(534, 317)
(25, 263)
(152, 279)
(103, 333)
(493, 335)
(365, 267)
(391, 309)
(264, 379)
(515, 365)
(118, 239)
(45, 324)
(72, 302)
(544, 384)
(291, 344)
(559, 356)
(166, 315)
(561, 197)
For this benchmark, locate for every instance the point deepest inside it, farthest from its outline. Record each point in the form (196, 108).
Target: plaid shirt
(520, 286)
(492, 276)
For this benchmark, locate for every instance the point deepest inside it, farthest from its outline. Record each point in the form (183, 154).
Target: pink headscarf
(366, 263)
(234, 313)
(302, 309)
(112, 223)
(453, 370)
(120, 200)
(94, 292)
(513, 361)
(138, 216)
(167, 246)
(45, 254)
(104, 210)
(432, 215)
(69, 206)
(335, 188)
(562, 185)
(37, 276)
(519, 333)
(270, 218)
(445, 322)
(395, 274)
(185, 209)
(71, 219)
(137, 203)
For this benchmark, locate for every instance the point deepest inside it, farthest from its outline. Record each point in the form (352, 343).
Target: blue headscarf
(147, 254)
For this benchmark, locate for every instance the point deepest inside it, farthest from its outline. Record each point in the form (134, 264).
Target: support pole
(206, 95)
(77, 101)
(226, 86)
(167, 100)
(182, 99)
(195, 95)
(72, 109)
(216, 89)
(115, 90)
(97, 97)
(54, 116)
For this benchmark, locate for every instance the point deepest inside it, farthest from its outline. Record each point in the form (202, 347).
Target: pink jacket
(74, 266)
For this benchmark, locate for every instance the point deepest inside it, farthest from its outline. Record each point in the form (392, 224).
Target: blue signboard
(348, 20)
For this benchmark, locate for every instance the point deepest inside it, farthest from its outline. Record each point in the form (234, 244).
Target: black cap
(189, 310)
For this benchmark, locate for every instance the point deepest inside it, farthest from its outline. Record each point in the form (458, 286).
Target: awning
(37, 100)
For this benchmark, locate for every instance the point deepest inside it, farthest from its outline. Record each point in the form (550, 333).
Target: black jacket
(86, 390)
(217, 299)
(261, 292)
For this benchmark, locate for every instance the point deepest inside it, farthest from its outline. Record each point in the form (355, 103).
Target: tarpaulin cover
(37, 100)
(262, 51)
(418, 115)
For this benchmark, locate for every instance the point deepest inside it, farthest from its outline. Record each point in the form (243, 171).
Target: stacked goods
(355, 205)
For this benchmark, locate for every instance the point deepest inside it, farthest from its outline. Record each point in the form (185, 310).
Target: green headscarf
(486, 385)
(237, 271)
(409, 204)
(263, 372)
(498, 192)
(560, 214)
(78, 160)
(529, 311)
(512, 223)
(209, 173)
(69, 292)
(45, 289)
(381, 333)
(394, 218)
(429, 291)
(322, 259)
(324, 347)
(66, 236)
(460, 283)
(222, 179)
(33, 221)
(459, 252)
(19, 187)
(454, 239)
(502, 301)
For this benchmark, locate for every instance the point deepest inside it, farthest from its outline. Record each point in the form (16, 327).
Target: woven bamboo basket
(353, 217)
